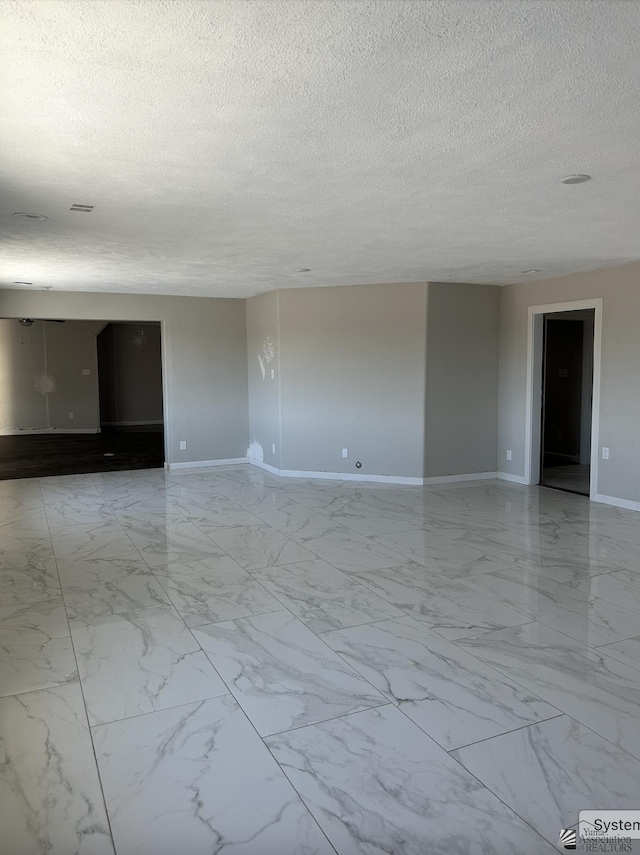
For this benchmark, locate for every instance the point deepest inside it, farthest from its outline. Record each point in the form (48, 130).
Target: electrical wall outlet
(273, 373)
(605, 452)
(273, 448)
(508, 454)
(345, 452)
(70, 415)
(183, 445)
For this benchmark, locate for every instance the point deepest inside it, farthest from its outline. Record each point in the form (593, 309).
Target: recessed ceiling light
(575, 179)
(533, 270)
(23, 215)
(303, 270)
(23, 283)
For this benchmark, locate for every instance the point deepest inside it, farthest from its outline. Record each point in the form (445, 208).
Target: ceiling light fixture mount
(575, 179)
(24, 215)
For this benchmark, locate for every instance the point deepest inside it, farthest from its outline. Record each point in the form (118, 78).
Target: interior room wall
(461, 423)
(130, 374)
(263, 365)
(352, 363)
(204, 354)
(41, 375)
(620, 370)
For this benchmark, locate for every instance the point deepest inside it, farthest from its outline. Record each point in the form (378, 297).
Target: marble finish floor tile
(48, 617)
(627, 652)
(377, 784)
(100, 586)
(215, 589)
(324, 598)
(31, 658)
(569, 610)
(50, 796)
(347, 550)
(211, 511)
(445, 605)
(452, 696)
(28, 575)
(258, 546)
(595, 689)
(281, 674)
(441, 554)
(291, 517)
(82, 543)
(163, 540)
(622, 588)
(548, 772)
(197, 779)
(137, 662)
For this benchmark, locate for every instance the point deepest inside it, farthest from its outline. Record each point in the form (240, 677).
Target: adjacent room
(79, 396)
(319, 415)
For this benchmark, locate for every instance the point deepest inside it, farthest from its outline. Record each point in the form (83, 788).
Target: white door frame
(534, 386)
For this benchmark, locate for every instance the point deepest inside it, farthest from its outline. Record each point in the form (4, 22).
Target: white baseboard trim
(336, 476)
(515, 479)
(29, 432)
(129, 424)
(205, 464)
(628, 504)
(266, 466)
(454, 479)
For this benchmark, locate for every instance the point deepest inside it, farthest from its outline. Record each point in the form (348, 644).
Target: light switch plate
(86, 372)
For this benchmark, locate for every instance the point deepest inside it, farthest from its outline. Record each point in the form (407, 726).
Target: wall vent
(83, 209)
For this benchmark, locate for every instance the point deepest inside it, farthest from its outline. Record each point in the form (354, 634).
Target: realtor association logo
(568, 838)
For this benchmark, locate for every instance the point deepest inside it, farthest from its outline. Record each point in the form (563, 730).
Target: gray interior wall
(58, 352)
(620, 370)
(130, 374)
(71, 348)
(353, 376)
(204, 353)
(263, 365)
(22, 406)
(461, 424)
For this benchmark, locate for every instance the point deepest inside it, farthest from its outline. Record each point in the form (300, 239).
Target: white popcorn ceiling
(225, 144)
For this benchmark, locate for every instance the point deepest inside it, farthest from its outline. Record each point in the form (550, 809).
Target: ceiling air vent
(83, 209)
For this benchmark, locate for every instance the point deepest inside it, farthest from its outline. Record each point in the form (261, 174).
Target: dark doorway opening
(567, 390)
(130, 393)
(79, 397)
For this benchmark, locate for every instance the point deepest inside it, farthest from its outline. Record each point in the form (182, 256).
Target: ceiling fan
(28, 322)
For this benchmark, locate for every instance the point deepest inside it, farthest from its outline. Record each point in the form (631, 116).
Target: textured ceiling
(225, 144)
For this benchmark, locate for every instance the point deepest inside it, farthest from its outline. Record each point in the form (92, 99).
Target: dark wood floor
(39, 455)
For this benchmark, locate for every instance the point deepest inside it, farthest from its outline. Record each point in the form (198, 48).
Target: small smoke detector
(575, 179)
(82, 209)
(24, 215)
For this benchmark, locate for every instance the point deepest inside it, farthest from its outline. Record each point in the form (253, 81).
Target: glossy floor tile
(50, 796)
(376, 783)
(451, 695)
(548, 772)
(281, 674)
(140, 661)
(198, 779)
(267, 666)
